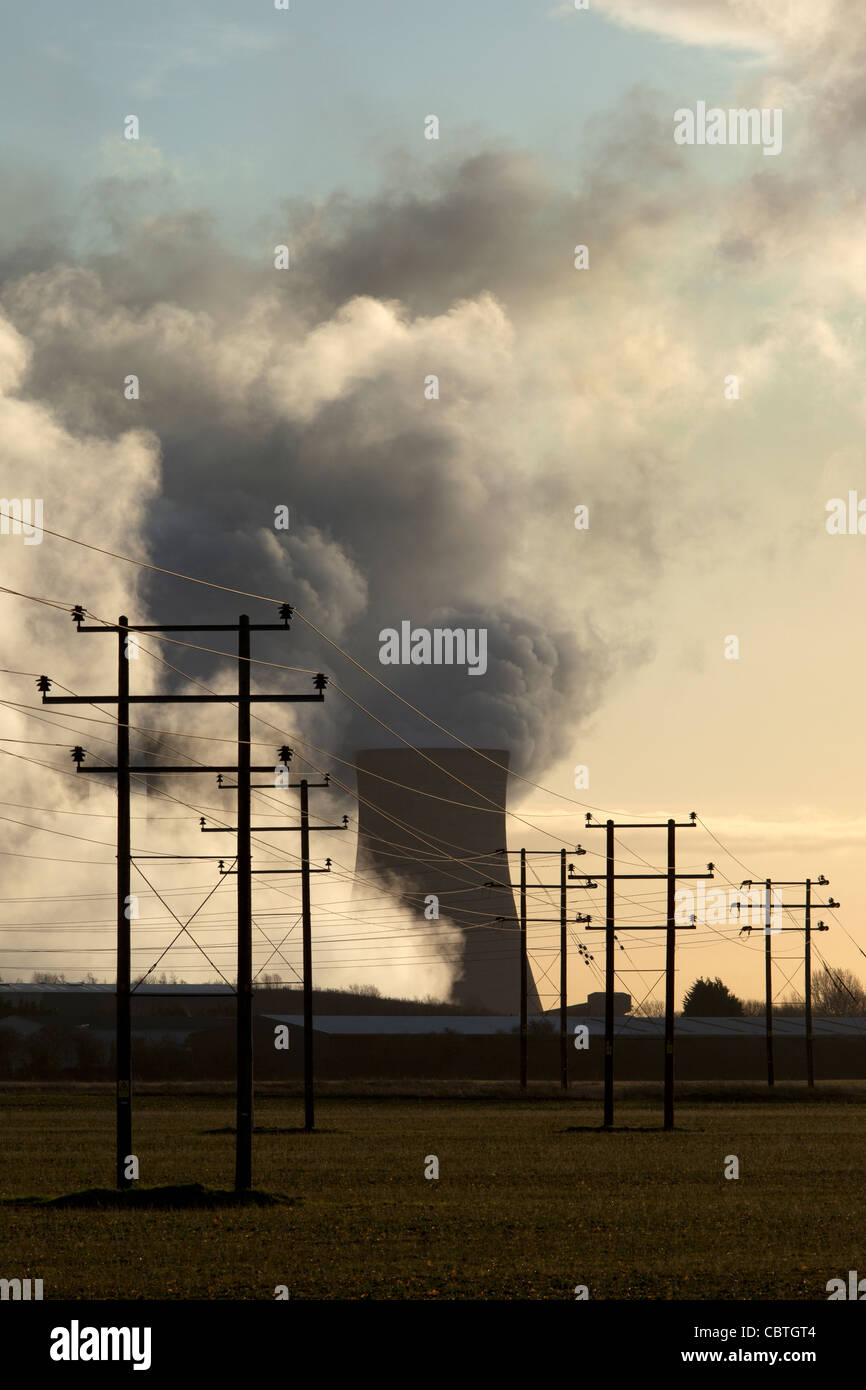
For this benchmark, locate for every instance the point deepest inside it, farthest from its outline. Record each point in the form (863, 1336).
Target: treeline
(836, 993)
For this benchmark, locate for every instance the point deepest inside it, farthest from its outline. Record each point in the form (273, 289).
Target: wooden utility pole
(244, 1011)
(309, 1113)
(768, 983)
(125, 857)
(123, 1007)
(807, 971)
(522, 919)
(609, 941)
(305, 870)
(670, 927)
(670, 975)
(770, 886)
(524, 974)
(563, 976)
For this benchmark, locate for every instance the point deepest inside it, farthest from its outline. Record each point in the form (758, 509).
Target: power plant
(432, 821)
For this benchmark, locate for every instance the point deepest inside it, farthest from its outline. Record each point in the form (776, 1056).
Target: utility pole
(768, 983)
(524, 973)
(807, 965)
(609, 887)
(770, 886)
(122, 1002)
(244, 1010)
(563, 977)
(670, 975)
(670, 926)
(563, 886)
(127, 649)
(807, 971)
(309, 1111)
(305, 870)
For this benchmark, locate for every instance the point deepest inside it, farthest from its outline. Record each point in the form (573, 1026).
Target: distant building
(594, 1006)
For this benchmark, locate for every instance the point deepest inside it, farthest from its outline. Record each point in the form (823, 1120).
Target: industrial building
(432, 822)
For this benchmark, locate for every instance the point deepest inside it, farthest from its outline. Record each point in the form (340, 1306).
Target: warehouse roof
(379, 1025)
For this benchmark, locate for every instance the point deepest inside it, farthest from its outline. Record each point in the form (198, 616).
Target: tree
(711, 999)
(650, 1008)
(837, 992)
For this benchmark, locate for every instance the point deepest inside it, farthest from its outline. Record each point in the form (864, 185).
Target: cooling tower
(415, 821)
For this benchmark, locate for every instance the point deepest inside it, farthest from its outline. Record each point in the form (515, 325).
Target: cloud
(761, 25)
(305, 388)
(266, 390)
(58, 827)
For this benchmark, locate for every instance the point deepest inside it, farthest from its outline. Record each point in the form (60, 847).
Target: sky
(610, 648)
(246, 105)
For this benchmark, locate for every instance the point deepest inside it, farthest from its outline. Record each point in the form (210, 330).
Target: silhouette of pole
(244, 1129)
(669, 927)
(768, 983)
(609, 943)
(580, 881)
(305, 830)
(125, 858)
(563, 977)
(123, 1018)
(807, 965)
(670, 979)
(309, 1115)
(523, 973)
(807, 960)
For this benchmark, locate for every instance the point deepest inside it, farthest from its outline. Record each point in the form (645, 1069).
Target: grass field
(531, 1200)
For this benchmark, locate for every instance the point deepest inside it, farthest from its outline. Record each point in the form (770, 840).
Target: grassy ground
(531, 1200)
